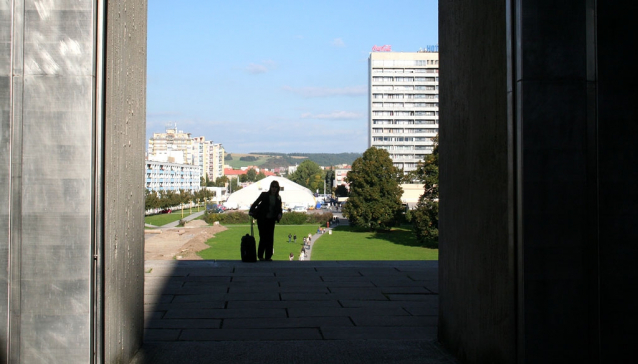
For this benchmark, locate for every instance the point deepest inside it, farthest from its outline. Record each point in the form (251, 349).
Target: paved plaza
(282, 311)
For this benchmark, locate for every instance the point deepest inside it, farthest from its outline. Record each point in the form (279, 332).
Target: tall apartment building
(403, 110)
(173, 146)
(201, 155)
(216, 161)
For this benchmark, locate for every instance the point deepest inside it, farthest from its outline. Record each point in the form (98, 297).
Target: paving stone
(338, 272)
(157, 298)
(300, 289)
(250, 334)
(210, 272)
(151, 335)
(282, 304)
(409, 289)
(381, 304)
(398, 321)
(223, 313)
(423, 311)
(187, 305)
(153, 315)
(184, 324)
(295, 322)
(379, 333)
(336, 284)
(328, 311)
(381, 272)
(333, 296)
(248, 284)
(358, 278)
(409, 297)
(209, 297)
(187, 290)
(220, 279)
(398, 282)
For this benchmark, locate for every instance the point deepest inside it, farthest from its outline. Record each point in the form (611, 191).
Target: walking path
(186, 218)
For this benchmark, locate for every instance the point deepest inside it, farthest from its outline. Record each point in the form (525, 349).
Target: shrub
(293, 218)
(320, 219)
(234, 217)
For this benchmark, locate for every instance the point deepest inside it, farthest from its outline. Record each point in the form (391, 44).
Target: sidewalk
(186, 218)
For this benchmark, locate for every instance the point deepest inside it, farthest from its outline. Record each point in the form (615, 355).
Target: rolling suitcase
(248, 246)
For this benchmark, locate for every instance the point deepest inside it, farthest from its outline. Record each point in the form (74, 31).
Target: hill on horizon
(272, 160)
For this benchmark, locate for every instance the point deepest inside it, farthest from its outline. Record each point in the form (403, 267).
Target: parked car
(166, 211)
(299, 209)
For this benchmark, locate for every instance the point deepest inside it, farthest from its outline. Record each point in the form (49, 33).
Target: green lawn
(225, 245)
(163, 219)
(344, 243)
(236, 163)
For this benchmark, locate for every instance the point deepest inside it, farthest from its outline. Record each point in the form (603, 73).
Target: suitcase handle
(251, 226)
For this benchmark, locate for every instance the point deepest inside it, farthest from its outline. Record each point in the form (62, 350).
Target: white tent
(292, 194)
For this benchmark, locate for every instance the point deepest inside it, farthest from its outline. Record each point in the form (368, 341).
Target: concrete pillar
(72, 126)
(538, 179)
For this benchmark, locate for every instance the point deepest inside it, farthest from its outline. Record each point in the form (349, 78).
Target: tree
(152, 200)
(220, 182)
(374, 200)
(425, 217)
(261, 175)
(341, 191)
(250, 175)
(329, 178)
(308, 174)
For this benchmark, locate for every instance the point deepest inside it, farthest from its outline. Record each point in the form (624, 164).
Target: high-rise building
(403, 109)
(173, 146)
(216, 161)
(201, 153)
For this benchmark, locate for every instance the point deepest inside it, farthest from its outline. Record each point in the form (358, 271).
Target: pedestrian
(302, 255)
(289, 237)
(294, 238)
(291, 256)
(267, 210)
(309, 235)
(304, 240)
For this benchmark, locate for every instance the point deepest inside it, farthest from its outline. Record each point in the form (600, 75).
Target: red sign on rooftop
(383, 48)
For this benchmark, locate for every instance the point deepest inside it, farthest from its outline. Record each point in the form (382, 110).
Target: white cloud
(309, 92)
(338, 42)
(335, 115)
(263, 67)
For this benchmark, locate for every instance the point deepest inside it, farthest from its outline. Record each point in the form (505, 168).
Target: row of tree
(374, 198)
(168, 199)
(310, 175)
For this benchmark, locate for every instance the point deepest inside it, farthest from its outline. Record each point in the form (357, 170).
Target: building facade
(164, 176)
(174, 146)
(403, 107)
(201, 153)
(216, 160)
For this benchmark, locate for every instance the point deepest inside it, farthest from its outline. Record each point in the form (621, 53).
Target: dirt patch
(179, 243)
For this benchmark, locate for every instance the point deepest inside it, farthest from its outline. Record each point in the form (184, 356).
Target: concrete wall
(124, 173)
(71, 180)
(477, 290)
(538, 181)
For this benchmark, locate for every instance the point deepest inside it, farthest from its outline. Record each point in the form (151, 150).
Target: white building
(216, 160)
(163, 176)
(292, 194)
(403, 110)
(173, 146)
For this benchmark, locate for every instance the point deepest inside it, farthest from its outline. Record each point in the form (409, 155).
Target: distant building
(403, 108)
(340, 175)
(173, 146)
(216, 158)
(165, 176)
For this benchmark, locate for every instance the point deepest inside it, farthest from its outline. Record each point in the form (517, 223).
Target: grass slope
(346, 243)
(225, 245)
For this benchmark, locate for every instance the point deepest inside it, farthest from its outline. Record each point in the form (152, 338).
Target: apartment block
(403, 109)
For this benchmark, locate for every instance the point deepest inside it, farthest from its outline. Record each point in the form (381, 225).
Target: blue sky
(274, 76)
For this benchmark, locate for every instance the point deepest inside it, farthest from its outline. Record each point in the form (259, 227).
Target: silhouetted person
(267, 210)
